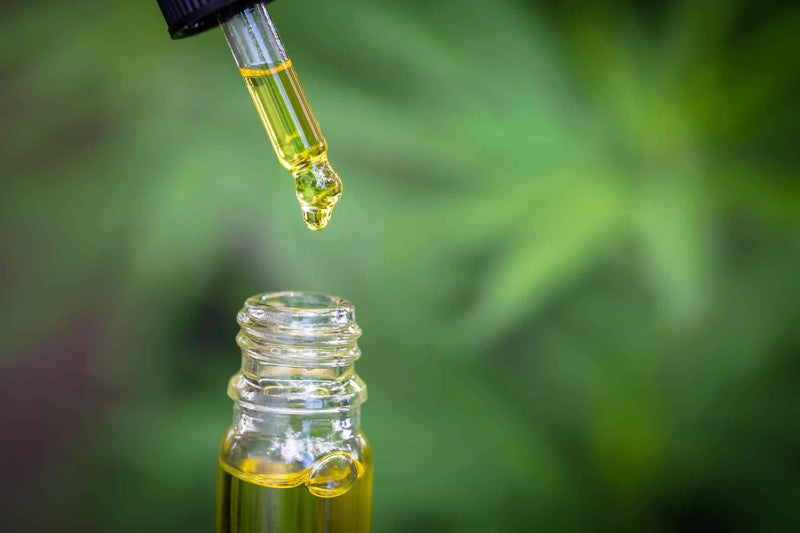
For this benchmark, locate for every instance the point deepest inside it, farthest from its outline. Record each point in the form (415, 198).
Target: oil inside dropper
(297, 139)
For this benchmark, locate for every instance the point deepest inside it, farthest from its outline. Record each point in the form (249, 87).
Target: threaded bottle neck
(298, 351)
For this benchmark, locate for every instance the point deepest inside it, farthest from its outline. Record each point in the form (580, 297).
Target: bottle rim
(298, 309)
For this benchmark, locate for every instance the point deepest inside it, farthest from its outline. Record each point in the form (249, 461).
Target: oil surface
(297, 139)
(275, 503)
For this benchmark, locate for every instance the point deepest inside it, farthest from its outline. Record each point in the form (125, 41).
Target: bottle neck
(341, 426)
(273, 399)
(298, 355)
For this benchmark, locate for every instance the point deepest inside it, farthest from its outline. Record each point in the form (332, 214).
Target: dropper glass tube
(287, 116)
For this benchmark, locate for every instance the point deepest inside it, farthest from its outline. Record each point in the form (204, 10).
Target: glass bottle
(295, 459)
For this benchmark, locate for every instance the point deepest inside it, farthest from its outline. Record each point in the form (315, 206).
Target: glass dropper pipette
(276, 91)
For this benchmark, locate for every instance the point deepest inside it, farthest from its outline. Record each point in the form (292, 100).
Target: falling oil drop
(318, 188)
(316, 218)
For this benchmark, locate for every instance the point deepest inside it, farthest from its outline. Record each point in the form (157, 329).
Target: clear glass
(295, 459)
(284, 109)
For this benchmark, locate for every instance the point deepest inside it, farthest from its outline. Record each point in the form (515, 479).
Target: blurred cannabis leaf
(571, 233)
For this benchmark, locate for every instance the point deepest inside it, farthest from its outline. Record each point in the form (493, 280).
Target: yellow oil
(258, 498)
(297, 139)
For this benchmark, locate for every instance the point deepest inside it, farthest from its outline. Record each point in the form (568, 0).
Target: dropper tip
(316, 218)
(318, 188)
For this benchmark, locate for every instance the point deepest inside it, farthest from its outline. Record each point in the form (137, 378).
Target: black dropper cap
(188, 17)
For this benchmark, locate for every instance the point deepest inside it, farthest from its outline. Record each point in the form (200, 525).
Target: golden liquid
(272, 503)
(297, 139)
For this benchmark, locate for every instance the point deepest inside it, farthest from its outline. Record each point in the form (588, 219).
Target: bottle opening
(300, 301)
(295, 309)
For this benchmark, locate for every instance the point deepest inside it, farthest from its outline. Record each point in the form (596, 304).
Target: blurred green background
(571, 233)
